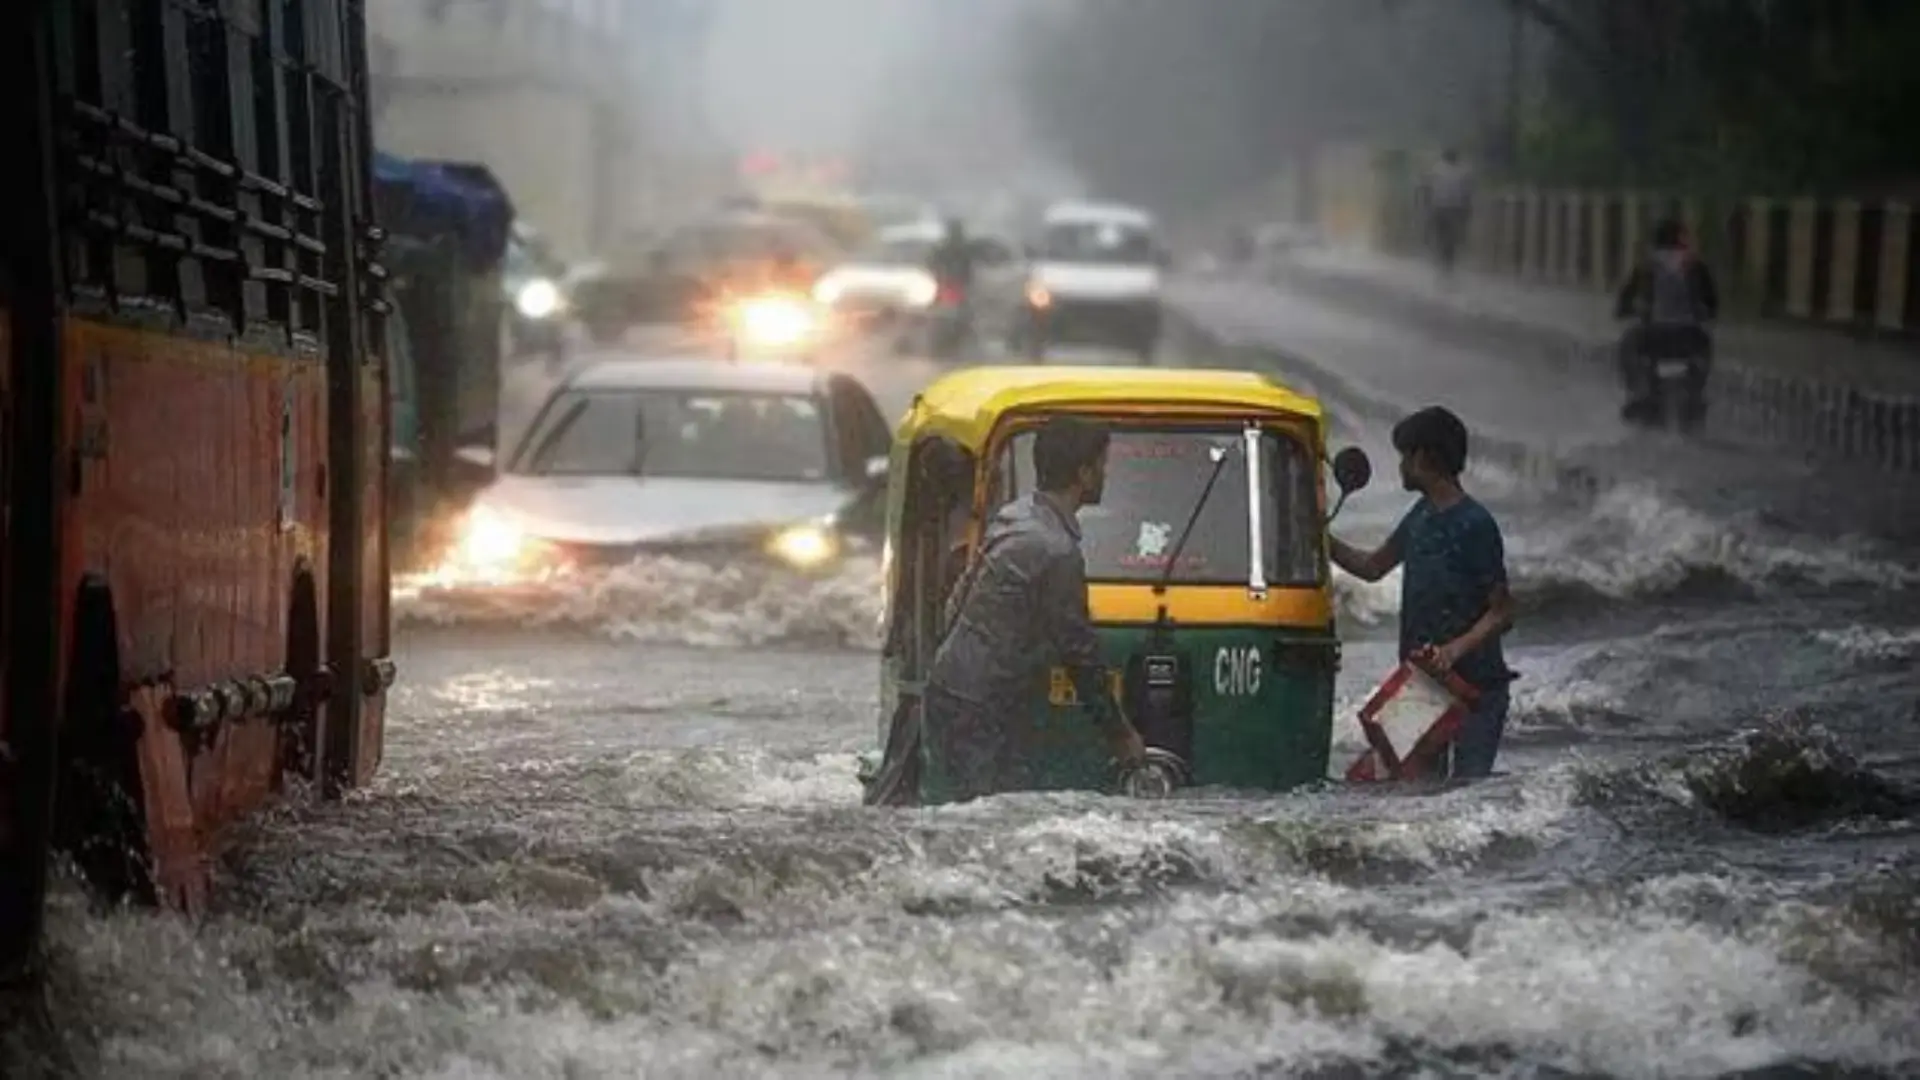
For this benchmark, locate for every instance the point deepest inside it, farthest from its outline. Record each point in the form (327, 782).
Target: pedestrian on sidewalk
(1449, 203)
(1454, 602)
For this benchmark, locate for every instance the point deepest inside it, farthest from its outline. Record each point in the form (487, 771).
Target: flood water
(617, 833)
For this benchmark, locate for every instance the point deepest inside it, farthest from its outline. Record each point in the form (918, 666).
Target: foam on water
(1069, 935)
(1633, 542)
(662, 601)
(671, 601)
(1873, 643)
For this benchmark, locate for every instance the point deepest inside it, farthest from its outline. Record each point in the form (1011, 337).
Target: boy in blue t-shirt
(1454, 601)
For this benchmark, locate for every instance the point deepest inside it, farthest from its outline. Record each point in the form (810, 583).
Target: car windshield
(1154, 478)
(1098, 242)
(701, 435)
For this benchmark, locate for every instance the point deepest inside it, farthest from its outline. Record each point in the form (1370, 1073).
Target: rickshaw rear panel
(1260, 717)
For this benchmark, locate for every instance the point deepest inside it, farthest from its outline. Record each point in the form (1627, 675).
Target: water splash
(671, 601)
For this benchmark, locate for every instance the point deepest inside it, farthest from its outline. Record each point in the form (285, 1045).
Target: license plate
(1671, 369)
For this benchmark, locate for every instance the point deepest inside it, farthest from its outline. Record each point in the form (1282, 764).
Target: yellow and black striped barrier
(1845, 263)
(1846, 266)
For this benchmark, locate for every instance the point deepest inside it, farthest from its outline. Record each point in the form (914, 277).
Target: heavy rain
(618, 827)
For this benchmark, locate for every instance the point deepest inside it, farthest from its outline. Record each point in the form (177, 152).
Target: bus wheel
(99, 816)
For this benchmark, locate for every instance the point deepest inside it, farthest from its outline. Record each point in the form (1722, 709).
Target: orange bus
(193, 436)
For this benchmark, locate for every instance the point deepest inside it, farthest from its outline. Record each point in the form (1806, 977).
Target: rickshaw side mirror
(1352, 470)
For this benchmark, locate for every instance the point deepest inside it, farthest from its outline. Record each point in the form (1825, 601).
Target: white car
(689, 457)
(1094, 278)
(890, 279)
(889, 276)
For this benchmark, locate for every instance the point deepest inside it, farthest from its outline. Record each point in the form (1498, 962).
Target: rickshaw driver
(1019, 608)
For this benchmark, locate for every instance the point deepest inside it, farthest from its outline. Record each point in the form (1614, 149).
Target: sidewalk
(1805, 387)
(1550, 417)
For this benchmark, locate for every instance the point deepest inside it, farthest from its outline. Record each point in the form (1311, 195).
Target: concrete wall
(540, 91)
(538, 141)
(1847, 263)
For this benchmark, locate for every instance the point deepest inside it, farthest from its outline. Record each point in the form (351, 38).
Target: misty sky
(803, 74)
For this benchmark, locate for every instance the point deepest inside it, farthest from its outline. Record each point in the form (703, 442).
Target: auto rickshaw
(1207, 568)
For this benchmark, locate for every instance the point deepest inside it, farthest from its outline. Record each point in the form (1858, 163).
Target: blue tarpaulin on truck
(423, 199)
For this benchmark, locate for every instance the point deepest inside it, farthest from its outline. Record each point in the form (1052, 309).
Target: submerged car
(890, 279)
(887, 277)
(685, 457)
(677, 278)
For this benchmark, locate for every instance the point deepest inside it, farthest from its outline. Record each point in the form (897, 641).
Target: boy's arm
(1485, 558)
(1370, 565)
(1366, 565)
(1496, 620)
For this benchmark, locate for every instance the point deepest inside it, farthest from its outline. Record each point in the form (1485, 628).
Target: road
(623, 838)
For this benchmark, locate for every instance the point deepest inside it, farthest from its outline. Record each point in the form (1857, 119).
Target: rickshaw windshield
(1154, 477)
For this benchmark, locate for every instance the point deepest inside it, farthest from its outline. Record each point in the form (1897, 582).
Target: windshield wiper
(537, 459)
(638, 466)
(1219, 456)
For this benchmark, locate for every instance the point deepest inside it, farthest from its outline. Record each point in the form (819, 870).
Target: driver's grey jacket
(1021, 608)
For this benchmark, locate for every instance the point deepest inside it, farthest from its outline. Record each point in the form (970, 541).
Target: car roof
(1076, 212)
(627, 371)
(966, 405)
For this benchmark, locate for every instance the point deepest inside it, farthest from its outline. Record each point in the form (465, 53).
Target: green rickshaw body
(1262, 712)
(1227, 661)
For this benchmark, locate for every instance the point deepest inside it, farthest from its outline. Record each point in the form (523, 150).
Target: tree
(1182, 103)
(1179, 104)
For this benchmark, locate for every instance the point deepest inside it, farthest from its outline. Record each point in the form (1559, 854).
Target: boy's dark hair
(1438, 432)
(1064, 446)
(1669, 233)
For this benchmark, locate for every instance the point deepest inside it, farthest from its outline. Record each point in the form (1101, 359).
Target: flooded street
(617, 833)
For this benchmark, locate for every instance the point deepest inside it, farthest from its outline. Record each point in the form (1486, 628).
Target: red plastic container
(1409, 722)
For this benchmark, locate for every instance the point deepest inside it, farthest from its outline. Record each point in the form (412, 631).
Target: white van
(1093, 278)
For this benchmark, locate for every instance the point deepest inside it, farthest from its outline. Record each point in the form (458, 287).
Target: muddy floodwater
(617, 833)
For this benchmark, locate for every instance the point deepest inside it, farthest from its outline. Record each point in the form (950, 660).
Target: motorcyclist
(1672, 294)
(951, 260)
(951, 264)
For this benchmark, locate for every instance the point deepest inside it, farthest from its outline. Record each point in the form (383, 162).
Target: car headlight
(489, 542)
(829, 290)
(776, 322)
(922, 290)
(804, 546)
(538, 299)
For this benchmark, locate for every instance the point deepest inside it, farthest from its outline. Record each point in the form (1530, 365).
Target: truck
(449, 232)
(194, 414)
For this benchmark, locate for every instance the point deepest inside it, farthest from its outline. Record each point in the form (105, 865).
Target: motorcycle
(1665, 375)
(949, 322)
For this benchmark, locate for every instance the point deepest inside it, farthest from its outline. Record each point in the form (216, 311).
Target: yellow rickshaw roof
(965, 405)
